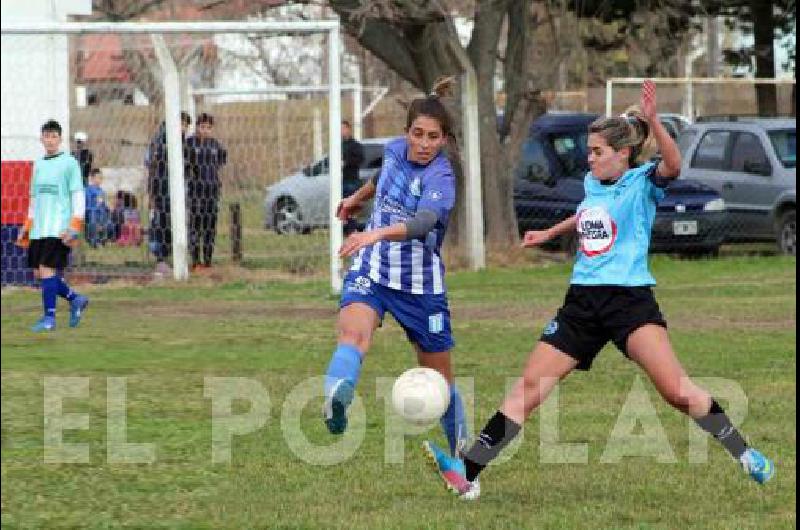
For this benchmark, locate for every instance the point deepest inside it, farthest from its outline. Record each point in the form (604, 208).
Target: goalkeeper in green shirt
(53, 226)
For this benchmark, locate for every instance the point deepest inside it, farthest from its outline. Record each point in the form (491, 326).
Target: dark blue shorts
(424, 317)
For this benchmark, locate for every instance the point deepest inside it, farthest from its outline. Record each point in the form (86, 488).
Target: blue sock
(64, 291)
(49, 293)
(345, 364)
(454, 421)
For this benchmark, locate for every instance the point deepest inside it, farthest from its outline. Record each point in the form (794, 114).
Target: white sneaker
(474, 492)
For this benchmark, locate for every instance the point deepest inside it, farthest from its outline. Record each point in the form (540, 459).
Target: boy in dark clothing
(206, 156)
(352, 158)
(160, 233)
(97, 211)
(83, 155)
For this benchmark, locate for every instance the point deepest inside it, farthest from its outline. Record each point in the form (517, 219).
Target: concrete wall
(34, 80)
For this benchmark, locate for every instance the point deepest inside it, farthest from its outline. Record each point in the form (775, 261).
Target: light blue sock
(454, 421)
(345, 364)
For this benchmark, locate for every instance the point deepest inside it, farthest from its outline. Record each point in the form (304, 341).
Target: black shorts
(49, 251)
(593, 315)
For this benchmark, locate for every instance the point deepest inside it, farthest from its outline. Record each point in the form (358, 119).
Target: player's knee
(676, 399)
(685, 397)
(532, 392)
(358, 338)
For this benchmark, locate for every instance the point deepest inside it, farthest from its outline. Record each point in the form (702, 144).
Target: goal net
(123, 94)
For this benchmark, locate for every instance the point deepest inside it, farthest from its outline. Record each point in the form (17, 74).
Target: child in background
(130, 229)
(97, 213)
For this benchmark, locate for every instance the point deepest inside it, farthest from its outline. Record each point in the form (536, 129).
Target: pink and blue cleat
(452, 472)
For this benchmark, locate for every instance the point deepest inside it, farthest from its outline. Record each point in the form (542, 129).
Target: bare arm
(415, 227)
(350, 205)
(564, 227)
(358, 240)
(365, 192)
(537, 237)
(670, 165)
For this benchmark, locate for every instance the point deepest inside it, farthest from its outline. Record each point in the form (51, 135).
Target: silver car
(752, 164)
(300, 202)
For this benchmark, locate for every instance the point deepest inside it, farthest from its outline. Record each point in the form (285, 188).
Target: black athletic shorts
(49, 251)
(593, 315)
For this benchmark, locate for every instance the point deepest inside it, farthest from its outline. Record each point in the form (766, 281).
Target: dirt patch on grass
(525, 313)
(718, 322)
(514, 312)
(232, 309)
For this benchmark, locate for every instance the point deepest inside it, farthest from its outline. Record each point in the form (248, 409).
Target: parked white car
(299, 203)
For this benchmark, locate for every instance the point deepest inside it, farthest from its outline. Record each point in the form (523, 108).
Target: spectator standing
(97, 212)
(83, 155)
(160, 232)
(352, 158)
(206, 156)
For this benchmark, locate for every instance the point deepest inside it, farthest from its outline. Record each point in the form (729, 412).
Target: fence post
(236, 232)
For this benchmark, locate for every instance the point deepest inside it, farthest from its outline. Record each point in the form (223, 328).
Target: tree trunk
(764, 36)
(417, 40)
(498, 207)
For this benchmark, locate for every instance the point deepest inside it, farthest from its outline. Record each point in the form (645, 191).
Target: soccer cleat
(46, 323)
(335, 408)
(759, 467)
(451, 470)
(76, 308)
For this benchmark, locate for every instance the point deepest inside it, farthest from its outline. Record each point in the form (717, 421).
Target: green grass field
(733, 319)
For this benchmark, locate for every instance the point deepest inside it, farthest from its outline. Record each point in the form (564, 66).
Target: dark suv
(548, 186)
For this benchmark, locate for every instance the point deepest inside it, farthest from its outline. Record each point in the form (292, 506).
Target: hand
(347, 208)
(70, 237)
(355, 242)
(24, 235)
(534, 238)
(649, 100)
(23, 239)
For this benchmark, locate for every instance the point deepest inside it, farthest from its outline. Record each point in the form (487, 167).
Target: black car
(548, 186)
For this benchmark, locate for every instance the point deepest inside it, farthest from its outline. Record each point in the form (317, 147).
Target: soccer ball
(421, 395)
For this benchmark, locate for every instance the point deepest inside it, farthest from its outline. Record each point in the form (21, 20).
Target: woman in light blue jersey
(610, 297)
(397, 265)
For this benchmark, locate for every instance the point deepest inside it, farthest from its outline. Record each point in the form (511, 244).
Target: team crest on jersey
(415, 187)
(597, 231)
(361, 285)
(551, 327)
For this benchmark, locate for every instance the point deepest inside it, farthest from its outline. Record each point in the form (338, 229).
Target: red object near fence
(16, 182)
